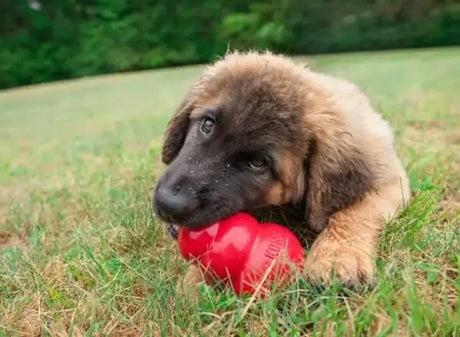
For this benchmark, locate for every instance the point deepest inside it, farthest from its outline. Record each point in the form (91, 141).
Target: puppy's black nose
(174, 202)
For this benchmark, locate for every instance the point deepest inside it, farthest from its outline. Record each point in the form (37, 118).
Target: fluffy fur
(329, 165)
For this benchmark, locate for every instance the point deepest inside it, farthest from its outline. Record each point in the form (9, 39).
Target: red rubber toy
(243, 252)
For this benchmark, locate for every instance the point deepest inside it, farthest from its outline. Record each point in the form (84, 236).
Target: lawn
(81, 254)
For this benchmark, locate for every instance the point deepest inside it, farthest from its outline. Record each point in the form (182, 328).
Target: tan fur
(348, 245)
(190, 282)
(275, 195)
(339, 118)
(291, 185)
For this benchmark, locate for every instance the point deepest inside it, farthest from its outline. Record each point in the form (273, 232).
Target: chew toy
(248, 255)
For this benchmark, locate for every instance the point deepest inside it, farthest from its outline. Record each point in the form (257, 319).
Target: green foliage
(71, 38)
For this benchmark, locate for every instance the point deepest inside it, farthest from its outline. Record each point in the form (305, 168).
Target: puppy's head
(239, 141)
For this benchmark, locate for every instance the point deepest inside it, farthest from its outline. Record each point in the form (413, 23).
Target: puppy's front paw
(189, 285)
(350, 266)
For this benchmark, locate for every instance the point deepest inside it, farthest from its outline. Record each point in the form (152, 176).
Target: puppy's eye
(207, 125)
(257, 162)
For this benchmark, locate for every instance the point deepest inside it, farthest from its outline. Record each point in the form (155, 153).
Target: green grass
(80, 253)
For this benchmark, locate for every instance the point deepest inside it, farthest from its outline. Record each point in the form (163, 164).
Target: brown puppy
(258, 132)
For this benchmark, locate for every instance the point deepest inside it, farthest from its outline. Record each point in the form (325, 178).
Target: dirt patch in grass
(27, 322)
(8, 240)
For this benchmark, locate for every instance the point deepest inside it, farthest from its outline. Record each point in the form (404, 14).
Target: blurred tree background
(45, 40)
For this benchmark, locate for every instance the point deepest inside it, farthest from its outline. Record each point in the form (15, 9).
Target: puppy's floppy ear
(338, 175)
(177, 130)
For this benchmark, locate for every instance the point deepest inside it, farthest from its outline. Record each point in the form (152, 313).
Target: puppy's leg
(347, 247)
(191, 281)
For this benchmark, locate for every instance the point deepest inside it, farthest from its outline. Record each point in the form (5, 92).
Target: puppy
(258, 132)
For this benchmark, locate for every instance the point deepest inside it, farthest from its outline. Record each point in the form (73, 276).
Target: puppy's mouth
(173, 227)
(173, 230)
(200, 218)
